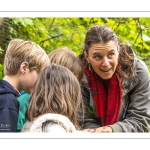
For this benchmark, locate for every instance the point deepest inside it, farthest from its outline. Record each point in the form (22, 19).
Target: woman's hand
(104, 129)
(89, 130)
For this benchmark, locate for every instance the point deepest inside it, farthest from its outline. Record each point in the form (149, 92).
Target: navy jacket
(9, 107)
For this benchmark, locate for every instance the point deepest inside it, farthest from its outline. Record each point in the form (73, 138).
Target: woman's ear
(86, 57)
(118, 48)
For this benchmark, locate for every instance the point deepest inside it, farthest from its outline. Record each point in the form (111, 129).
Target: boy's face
(29, 79)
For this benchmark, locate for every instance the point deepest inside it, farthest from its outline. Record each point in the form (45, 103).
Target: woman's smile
(106, 70)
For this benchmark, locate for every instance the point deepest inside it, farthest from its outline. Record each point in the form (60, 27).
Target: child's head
(19, 51)
(57, 90)
(67, 58)
(23, 57)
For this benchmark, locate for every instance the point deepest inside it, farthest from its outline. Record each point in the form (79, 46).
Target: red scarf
(107, 98)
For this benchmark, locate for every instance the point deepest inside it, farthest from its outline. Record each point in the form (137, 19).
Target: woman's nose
(105, 62)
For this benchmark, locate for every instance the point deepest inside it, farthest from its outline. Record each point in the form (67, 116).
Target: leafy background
(52, 33)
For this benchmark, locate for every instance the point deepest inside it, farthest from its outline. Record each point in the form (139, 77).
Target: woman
(54, 102)
(118, 85)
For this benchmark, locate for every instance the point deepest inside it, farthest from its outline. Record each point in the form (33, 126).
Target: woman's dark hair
(99, 34)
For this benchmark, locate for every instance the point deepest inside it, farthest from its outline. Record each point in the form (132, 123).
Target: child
(67, 58)
(22, 63)
(61, 56)
(53, 102)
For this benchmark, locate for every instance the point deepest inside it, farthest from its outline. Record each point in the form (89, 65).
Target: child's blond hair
(67, 58)
(19, 51)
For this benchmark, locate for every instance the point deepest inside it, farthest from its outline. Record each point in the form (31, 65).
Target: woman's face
(103, 58)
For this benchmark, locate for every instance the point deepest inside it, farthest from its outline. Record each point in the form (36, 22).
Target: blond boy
(22, 63)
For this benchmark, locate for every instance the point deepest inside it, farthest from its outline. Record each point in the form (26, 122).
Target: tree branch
(52, 37)
(137, 21)
(51, 24)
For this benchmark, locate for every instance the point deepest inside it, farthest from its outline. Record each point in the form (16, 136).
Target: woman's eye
(111, 54)
(97, 57)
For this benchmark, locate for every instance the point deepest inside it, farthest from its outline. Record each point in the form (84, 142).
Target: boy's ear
(24, 66)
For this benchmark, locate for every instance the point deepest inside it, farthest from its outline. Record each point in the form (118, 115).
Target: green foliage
(52, 33)
(1, 70)
(1, 50)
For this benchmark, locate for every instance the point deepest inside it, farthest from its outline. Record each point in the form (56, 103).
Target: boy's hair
(67, 58)
(56, 90)
(19, 51)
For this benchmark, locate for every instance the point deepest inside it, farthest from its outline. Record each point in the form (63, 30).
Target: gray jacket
(135, 110)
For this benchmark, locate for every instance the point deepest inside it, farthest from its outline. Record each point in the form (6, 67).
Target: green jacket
(23, 101)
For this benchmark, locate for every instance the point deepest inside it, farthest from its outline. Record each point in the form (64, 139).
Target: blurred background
(52, 33)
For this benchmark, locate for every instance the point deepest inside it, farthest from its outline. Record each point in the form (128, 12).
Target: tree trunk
(4, 36)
